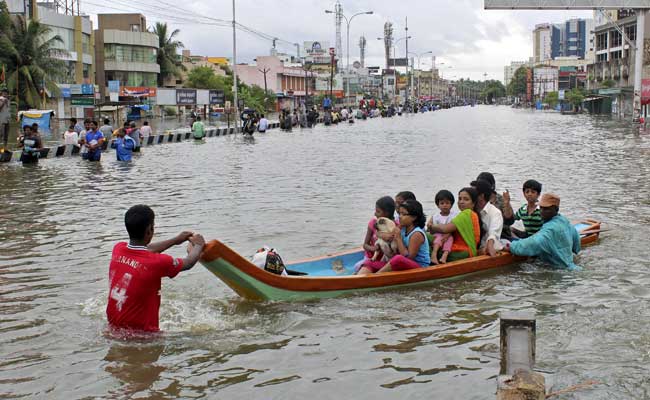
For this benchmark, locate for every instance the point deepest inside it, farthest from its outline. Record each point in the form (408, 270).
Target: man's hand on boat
(182, 237)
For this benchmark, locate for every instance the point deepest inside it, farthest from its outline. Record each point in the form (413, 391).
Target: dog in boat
(384, 225)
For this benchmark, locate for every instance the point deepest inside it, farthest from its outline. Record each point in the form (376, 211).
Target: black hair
(414, 208)
(137, 219)
(106, 121)
(533, 184)
(473, 194)
(483, 188)
(93, 122)
(406, 195)
(71, 127)
(35, 126)
(387, 205)
(127, 124)
(145, 123)
(262, 115)
(73, 120)
(87, 121)
(445, 195)
(198, 117)
(27, 126)
(487, 176)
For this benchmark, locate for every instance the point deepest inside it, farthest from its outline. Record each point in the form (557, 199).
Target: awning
(594, 98)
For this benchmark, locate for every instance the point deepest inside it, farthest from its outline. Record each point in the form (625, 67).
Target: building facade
(509, 71)
(126, 52)
(542, 42)
(191, 61)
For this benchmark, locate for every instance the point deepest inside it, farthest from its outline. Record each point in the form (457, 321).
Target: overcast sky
(461, 34)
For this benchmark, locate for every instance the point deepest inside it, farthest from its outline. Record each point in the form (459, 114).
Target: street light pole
(234, 64)
(395, 66)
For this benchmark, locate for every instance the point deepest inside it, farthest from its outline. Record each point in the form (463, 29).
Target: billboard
(217, 97)
(398, 62)
(564, 4)
(185, 96)
(137, 91)
(316, 48)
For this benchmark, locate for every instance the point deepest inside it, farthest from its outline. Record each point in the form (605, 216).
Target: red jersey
(134, 294)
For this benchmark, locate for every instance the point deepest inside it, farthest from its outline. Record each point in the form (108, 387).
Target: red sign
(137, 91)
(645, 91)
(529, 84)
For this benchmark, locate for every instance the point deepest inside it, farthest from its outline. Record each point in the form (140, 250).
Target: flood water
(307, 193)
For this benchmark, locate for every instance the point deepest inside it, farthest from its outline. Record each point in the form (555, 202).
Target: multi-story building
(545, 80)
(542, 42)
(612, 74)
(509, 71)
(568, 39)
(191, 61)
(126, 52)
(289, 83)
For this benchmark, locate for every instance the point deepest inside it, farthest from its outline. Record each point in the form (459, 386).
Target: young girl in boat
(442, 241)
(384, 207)
(400, 198)
(465, 227)
(411, 240)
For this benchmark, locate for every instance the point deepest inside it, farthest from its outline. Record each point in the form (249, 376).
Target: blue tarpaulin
(40, 117)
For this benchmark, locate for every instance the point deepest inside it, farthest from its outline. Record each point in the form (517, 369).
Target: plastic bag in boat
(269, 260)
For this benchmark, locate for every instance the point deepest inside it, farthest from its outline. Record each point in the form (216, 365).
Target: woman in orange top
(466, 226)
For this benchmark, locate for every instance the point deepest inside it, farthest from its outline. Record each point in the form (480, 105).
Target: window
(615, 55)
(125, 53)
(85, 43)
(601, 57)
(630, 32)
(616, 39)
(135, 28)
(601, 41)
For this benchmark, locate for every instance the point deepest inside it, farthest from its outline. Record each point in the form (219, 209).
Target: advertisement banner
(645, 91)
(137, 91)
(75, 89)
(87, 89)
(185, 96)
(316, 48)
(66, 93)
(398, 62)
(217, 97)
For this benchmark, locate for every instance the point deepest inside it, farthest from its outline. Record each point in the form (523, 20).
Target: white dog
(384, 225)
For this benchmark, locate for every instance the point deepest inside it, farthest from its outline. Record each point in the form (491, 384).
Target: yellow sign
(219, 60)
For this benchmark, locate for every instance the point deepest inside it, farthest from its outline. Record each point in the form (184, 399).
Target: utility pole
(265, 71)
(408, 86)
(234, 64)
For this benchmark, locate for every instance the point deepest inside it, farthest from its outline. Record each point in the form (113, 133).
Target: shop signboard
(87, 89)
(185, 97)
(82, 101)
(66, 93)
(75, 89)
(217, 97)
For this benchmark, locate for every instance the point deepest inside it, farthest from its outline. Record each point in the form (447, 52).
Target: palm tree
(168, 53)
(30, 53)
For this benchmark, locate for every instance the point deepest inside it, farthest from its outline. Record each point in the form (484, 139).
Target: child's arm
(366, 242)
(507, 208)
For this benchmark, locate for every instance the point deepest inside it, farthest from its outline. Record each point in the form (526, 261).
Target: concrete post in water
(638, 61)
(516, 380)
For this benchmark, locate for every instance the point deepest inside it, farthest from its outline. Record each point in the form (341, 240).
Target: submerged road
(307, 193)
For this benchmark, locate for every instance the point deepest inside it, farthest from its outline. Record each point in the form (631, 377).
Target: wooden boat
(332, 275)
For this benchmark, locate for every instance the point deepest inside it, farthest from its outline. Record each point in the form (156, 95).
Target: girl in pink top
(384, 207)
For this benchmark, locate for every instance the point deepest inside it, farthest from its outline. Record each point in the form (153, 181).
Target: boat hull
(253, 283)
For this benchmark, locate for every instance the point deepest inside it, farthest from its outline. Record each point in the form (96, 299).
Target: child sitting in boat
(411, 240)
(445, 201)
(400, 198)
(528, 213)
(384, 207)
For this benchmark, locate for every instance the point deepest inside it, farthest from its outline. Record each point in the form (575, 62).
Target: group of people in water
(482, 225)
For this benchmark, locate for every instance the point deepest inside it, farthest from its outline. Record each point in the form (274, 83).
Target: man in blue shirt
(94, 140)
(123, 146)
(327, 103)
(557, 240)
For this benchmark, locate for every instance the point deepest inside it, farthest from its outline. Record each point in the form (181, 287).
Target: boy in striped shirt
(528, 213)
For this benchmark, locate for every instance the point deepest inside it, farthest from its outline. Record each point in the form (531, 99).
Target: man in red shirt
(137, 267)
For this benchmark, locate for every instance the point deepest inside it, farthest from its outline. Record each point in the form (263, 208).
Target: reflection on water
(307, 193)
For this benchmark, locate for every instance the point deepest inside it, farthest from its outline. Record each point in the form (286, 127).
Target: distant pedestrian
(5, 105)
(198, 129)
(145, 131)
(135, 135)
(93, 140)
(263, 124)
(31, 144)
(78, 127)
(70, 136)
(106, 129)
(123, 146)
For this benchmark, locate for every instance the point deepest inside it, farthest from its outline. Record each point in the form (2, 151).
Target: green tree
(493, 90)
(519, 83)
(170, 64)
(31, 56)
(608, 83)
(575, 96)
(552, 98)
